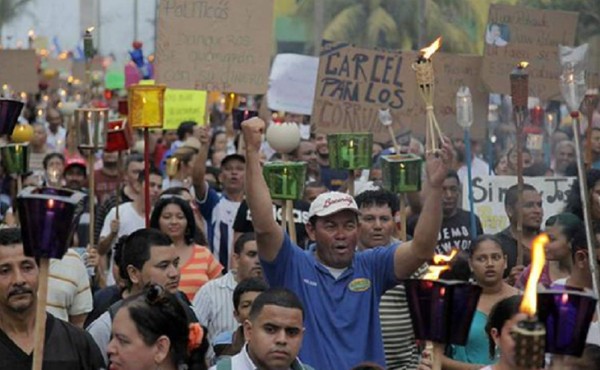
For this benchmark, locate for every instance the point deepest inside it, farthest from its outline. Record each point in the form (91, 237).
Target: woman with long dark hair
(174, 216)
(152, 330)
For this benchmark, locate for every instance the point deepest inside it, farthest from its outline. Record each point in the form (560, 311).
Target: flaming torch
(530, 334)
(441, 311)
(423, 68)
(573, 88)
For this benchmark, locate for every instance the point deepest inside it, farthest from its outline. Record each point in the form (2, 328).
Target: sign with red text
(514, 34)
(354, 83)
(215, 45)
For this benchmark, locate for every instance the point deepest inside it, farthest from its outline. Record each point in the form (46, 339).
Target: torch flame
(522, 65)
(441, 263)
(50, 203)
(31, 33)
(538, 259)
(89, 29)
(428, 51)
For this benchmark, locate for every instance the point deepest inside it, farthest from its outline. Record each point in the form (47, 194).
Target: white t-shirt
(69, 291)
(129, 221)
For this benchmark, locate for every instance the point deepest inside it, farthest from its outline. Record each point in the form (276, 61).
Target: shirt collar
(250, 365)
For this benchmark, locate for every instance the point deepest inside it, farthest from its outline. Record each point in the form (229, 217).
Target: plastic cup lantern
(146, 106)
(350, 151)
(119, 136)
(240, 115)
(15, 158)
(567, 316)
(10, 110)
(401, 172)
(285, 179)
(442, 310)
(91, 125)
(48, 220)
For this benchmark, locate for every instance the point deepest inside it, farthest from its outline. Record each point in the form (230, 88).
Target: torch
(88, 52)
(350, 151)
(573, 89)
(530, 334)
(91, 128)
(401, 172)
(588, 106)
(47, 218)
(423, 68)
(118, 139)
(464, 117)
(146, 110)
(285, 179)
(567, 315)
(441, 311)
(519, 88)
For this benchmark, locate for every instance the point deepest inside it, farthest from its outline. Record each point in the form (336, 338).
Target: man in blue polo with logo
(339, 288)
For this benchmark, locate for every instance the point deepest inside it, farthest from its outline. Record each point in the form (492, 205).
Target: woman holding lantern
(487, 261)
(174, 216)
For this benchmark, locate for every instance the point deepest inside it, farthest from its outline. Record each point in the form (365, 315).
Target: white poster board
(292, 83)
(489, 193)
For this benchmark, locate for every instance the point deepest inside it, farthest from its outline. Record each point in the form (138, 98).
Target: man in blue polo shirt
(341, 290)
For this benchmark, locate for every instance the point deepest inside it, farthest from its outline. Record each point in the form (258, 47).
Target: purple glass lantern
(48, 220)
(10, 110)
(442, 310)
(567, 315)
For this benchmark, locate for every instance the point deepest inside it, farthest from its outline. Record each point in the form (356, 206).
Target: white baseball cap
(332, 202)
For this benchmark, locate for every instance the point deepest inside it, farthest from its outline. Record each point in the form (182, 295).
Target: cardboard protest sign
(451, 72)
(292, 83)
(515, 34)
(354, 83)
(78, 70)
(215, 45)
(61, 65)
(18, 69)
(184, 105)
(489, 193)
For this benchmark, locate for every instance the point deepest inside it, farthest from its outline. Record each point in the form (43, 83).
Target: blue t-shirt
(341, 316)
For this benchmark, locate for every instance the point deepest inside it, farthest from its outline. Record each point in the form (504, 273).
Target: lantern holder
(146, 110)
(10, 110)
(530, 343)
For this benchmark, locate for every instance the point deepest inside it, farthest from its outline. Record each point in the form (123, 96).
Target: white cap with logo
(332, 202)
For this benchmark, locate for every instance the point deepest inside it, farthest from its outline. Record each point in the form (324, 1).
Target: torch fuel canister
(530, 342)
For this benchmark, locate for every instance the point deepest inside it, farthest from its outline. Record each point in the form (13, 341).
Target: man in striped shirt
(376, 228)
(219, 209)
(213, 304)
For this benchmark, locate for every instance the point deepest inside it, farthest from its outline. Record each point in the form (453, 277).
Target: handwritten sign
(354, 83)
(184, 105)
(515, 34)
(292, 83)
(489, 194)
(18, 69)
(451, 72)
(215, 45)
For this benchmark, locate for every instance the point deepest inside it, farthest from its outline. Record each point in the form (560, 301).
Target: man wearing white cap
(340, 289)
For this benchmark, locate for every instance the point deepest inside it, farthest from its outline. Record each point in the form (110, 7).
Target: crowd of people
(215, 282)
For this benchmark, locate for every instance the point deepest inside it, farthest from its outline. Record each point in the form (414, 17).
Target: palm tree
(9, 10)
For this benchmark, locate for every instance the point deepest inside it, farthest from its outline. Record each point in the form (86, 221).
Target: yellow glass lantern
(146, 106)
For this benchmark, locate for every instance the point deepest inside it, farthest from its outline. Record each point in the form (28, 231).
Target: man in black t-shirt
(456, 224)
(66, 347)
(243, 220)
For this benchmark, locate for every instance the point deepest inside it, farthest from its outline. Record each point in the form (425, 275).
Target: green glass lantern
(350, 151)
(15, 158)
(285, 179)
(401, 172)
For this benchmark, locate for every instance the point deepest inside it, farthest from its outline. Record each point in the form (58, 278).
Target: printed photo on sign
(497, 34)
